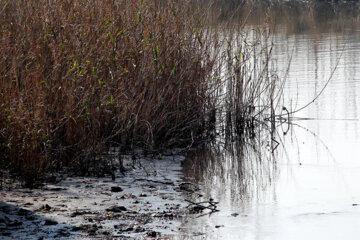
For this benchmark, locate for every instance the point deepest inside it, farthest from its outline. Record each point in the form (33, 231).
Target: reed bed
(78, 77)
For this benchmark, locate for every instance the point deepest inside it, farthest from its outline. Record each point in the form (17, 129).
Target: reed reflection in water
(309, 187)
(237, 175)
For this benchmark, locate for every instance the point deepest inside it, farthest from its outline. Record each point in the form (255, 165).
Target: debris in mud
(79, 213)
(23, 212)
(149, 206)
(127, 196)
(198, 234)
(28, 204)
(116, 189)
(198, 207)
(49, 222)
(155, 181)
(152, 234)
(45, 207)
(55, 189)
(189, 187)
(116, 209)
(234, 214)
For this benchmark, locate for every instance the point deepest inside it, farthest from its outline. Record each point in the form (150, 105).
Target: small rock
(129, 229)
(152, 234)
(77, 228)
(56, 189)
(235, 214)
(92, 231)
(219, 226)
(28, 204)
(49, 222)
(23, 212)
(45, 207)
(116, 209)
(126, 196)
(79, 213)
(139, 229)
(116, 189)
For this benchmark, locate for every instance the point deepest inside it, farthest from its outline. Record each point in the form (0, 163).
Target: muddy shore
(149, 200)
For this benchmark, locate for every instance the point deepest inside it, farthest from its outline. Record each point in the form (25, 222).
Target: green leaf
(74, 120)
(229, 45)
(101, 81)
(112, 40)
(138, 17)
(119, 33)
(76, 65)
(112, 100)
(174, 70)
(156, 55)
(123, 68)
(107, 22)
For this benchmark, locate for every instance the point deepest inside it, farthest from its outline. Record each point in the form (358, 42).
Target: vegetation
(77, 77)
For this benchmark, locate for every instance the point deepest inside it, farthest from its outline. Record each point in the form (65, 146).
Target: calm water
(310, 187)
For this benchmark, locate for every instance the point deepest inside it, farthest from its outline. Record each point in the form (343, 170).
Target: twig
(212, 207)
(154, 181)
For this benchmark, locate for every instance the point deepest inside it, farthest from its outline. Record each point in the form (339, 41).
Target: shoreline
(144, 202)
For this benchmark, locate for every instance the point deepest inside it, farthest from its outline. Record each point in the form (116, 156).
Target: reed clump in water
(79, 76)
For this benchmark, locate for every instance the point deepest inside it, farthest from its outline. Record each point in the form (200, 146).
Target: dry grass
(76, 76)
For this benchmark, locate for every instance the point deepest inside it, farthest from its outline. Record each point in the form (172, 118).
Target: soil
(148, 200)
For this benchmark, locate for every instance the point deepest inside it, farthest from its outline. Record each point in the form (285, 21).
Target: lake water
(310, 187)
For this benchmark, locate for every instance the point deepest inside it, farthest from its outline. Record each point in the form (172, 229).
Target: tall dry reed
(77, 77)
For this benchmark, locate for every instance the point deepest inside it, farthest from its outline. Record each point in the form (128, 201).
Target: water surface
(309, 188)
